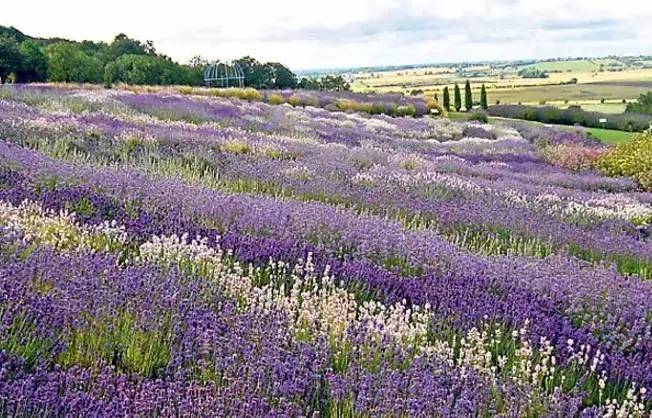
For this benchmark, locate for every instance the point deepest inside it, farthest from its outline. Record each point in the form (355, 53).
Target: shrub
(571, 156)
(244, 94)
(407, 110)
(233, 147)
(361, 107)
(343, 105)
(479, 117)
(434, 105)
(377, 108)
(275, 99)
(630, 159)
(295, 100)
(252, 95)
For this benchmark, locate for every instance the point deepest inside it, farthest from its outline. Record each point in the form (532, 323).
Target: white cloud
(351, 32)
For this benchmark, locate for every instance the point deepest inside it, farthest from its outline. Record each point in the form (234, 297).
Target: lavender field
(167, 254)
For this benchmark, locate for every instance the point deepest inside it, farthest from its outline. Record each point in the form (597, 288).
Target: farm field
(590, 93)
(168, 254)
(610, 79)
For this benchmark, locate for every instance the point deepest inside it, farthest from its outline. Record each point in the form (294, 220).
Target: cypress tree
(483, 98)
(458, 98)
(447, 99)
(468, 96)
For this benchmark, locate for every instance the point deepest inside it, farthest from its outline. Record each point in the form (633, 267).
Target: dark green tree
(149, 69)
(642, 105)
(198, 62)
(68, 62)
(447, 99)
(457, 98)
(34, 65)
(11, 60)
(13, 33)
(483, 98)
(468, 96)
(257, 75)
(99, 50)
(124, 45)
(309, 83)
(334, 83)
(248, 65)
(283, 78)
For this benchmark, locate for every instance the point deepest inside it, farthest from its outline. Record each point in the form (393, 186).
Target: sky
(306, 34)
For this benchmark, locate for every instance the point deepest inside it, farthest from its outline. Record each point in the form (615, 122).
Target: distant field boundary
(628, 122)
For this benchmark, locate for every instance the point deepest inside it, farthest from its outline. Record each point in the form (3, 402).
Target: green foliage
(122, 343)
(458, 98)
(407, 110)
(630, 159)
(447, 99)
(13, 33)
(35, 63)
(234, 147)
(123, 60)
(479, 117)
(642, 105)
(532, 72)
(334, 83)
(329, 83)
(20, 339)
(483, 98)
(68, 62)
(275, 99)
(10, 58)
(309, 83)
(266, 76)
(468, 96)
(244, 94)
(283, 78)
(123, 45)
(24, 61)
(146, 70)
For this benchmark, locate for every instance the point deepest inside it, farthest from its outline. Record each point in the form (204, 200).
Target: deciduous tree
(10, 58)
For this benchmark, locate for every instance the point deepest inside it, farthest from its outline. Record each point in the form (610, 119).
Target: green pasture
(567, 66)
(610, 136)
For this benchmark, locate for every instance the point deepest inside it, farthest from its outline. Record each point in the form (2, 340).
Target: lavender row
(564, 299)
(371, 178)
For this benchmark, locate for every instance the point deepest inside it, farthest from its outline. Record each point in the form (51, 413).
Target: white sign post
(603, 121)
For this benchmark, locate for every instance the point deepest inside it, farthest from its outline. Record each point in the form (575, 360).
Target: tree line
(25, 59)
(468, 98)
